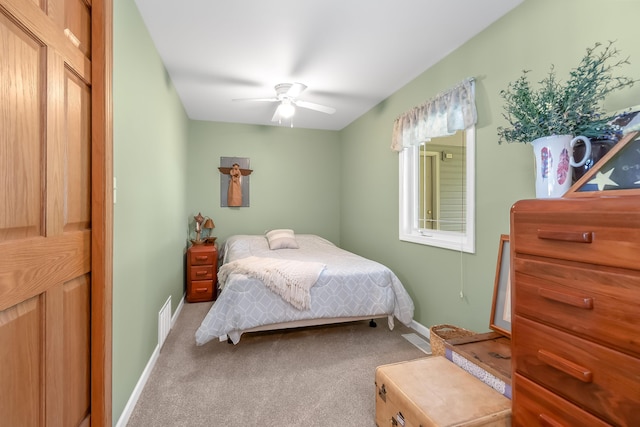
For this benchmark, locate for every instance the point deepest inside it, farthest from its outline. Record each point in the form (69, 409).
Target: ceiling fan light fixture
(288, 102)
(286, 109)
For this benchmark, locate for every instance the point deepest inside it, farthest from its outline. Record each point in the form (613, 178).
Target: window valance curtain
(442, 115)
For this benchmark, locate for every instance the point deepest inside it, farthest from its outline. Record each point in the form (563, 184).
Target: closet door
(45, 213)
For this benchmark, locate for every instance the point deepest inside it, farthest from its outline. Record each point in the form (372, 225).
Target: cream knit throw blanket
(291, 280)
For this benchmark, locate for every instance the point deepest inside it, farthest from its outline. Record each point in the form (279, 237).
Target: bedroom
(166, 169)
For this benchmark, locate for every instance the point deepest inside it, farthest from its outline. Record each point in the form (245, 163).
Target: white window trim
(409, 199)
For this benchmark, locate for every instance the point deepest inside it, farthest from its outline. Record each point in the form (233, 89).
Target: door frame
(101, 212)
(432, 159)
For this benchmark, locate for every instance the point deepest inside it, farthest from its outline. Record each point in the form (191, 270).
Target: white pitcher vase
(554, 162)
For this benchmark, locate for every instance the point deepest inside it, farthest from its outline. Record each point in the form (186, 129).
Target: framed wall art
(501, 306)
(234, 181)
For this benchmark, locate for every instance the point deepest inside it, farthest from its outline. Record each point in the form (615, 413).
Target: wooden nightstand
(202, 273)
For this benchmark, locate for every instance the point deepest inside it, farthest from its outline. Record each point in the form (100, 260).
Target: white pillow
(282, 239)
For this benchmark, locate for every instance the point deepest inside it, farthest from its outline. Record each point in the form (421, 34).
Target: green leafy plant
(573, 108)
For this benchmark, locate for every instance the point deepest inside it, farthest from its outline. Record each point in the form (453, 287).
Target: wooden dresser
(575, 269)
(575, 266)
(202, 273)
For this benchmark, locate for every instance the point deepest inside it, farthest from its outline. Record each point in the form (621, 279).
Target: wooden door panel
(77, 167)
(78, 24)
(76, 361)
(53, 336)
(21, 87)
(21, 356)
(39, 3)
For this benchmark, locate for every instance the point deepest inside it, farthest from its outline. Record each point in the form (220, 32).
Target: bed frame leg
(372, 323)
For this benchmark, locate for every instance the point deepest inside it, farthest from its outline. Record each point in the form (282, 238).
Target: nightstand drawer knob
(201, 273)
(201, 257)
(201, 290)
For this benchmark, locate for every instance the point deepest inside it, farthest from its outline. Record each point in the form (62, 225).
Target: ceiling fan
(287, 97)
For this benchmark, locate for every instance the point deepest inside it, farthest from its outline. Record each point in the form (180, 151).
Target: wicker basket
(441, 333)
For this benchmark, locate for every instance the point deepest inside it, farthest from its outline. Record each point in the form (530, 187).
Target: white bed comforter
(290, 279)
(349, 286)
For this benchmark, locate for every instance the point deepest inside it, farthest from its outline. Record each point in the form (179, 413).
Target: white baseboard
(133, 399)
(135, 395)
(421, 329)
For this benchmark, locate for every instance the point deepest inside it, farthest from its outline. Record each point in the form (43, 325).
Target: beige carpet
(320, 376)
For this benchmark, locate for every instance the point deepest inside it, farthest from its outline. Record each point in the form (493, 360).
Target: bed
(346, 287)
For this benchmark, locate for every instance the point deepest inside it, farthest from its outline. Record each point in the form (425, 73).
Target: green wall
(295, 181)
(150, 164)
(533, 36)
(341, 185)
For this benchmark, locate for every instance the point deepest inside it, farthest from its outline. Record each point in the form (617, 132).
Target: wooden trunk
(486, 357)
(435, 392)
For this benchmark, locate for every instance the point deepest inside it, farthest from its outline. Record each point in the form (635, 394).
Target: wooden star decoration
(603, 179)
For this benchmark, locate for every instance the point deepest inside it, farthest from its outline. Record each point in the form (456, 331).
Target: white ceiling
(351, 54)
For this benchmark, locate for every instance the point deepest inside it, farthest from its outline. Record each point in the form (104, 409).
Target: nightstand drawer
(597, 303)
(202, 272)
(537, 406)
(587, 374)
(200, 290)
(201, 257)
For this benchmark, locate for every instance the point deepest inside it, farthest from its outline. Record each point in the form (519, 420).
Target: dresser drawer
(201, 257)
(536, 406)
(200, 290)
(585, 373)
(602, 231)
(202, 272)
(601, 304)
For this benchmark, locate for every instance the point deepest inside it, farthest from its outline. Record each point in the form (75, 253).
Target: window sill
(440, 239)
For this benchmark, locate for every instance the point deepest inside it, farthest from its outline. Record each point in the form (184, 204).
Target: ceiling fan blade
(276, 115)
(316, 107)
(295, 90)
(256, 99)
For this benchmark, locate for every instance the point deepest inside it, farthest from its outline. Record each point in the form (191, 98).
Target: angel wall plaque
(234, 181)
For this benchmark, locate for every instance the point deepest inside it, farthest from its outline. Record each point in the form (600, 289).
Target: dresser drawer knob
(566, 236)
(574, 300)
(568, 367)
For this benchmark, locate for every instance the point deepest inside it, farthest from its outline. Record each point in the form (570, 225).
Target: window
(437, 197)
(436, 146)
